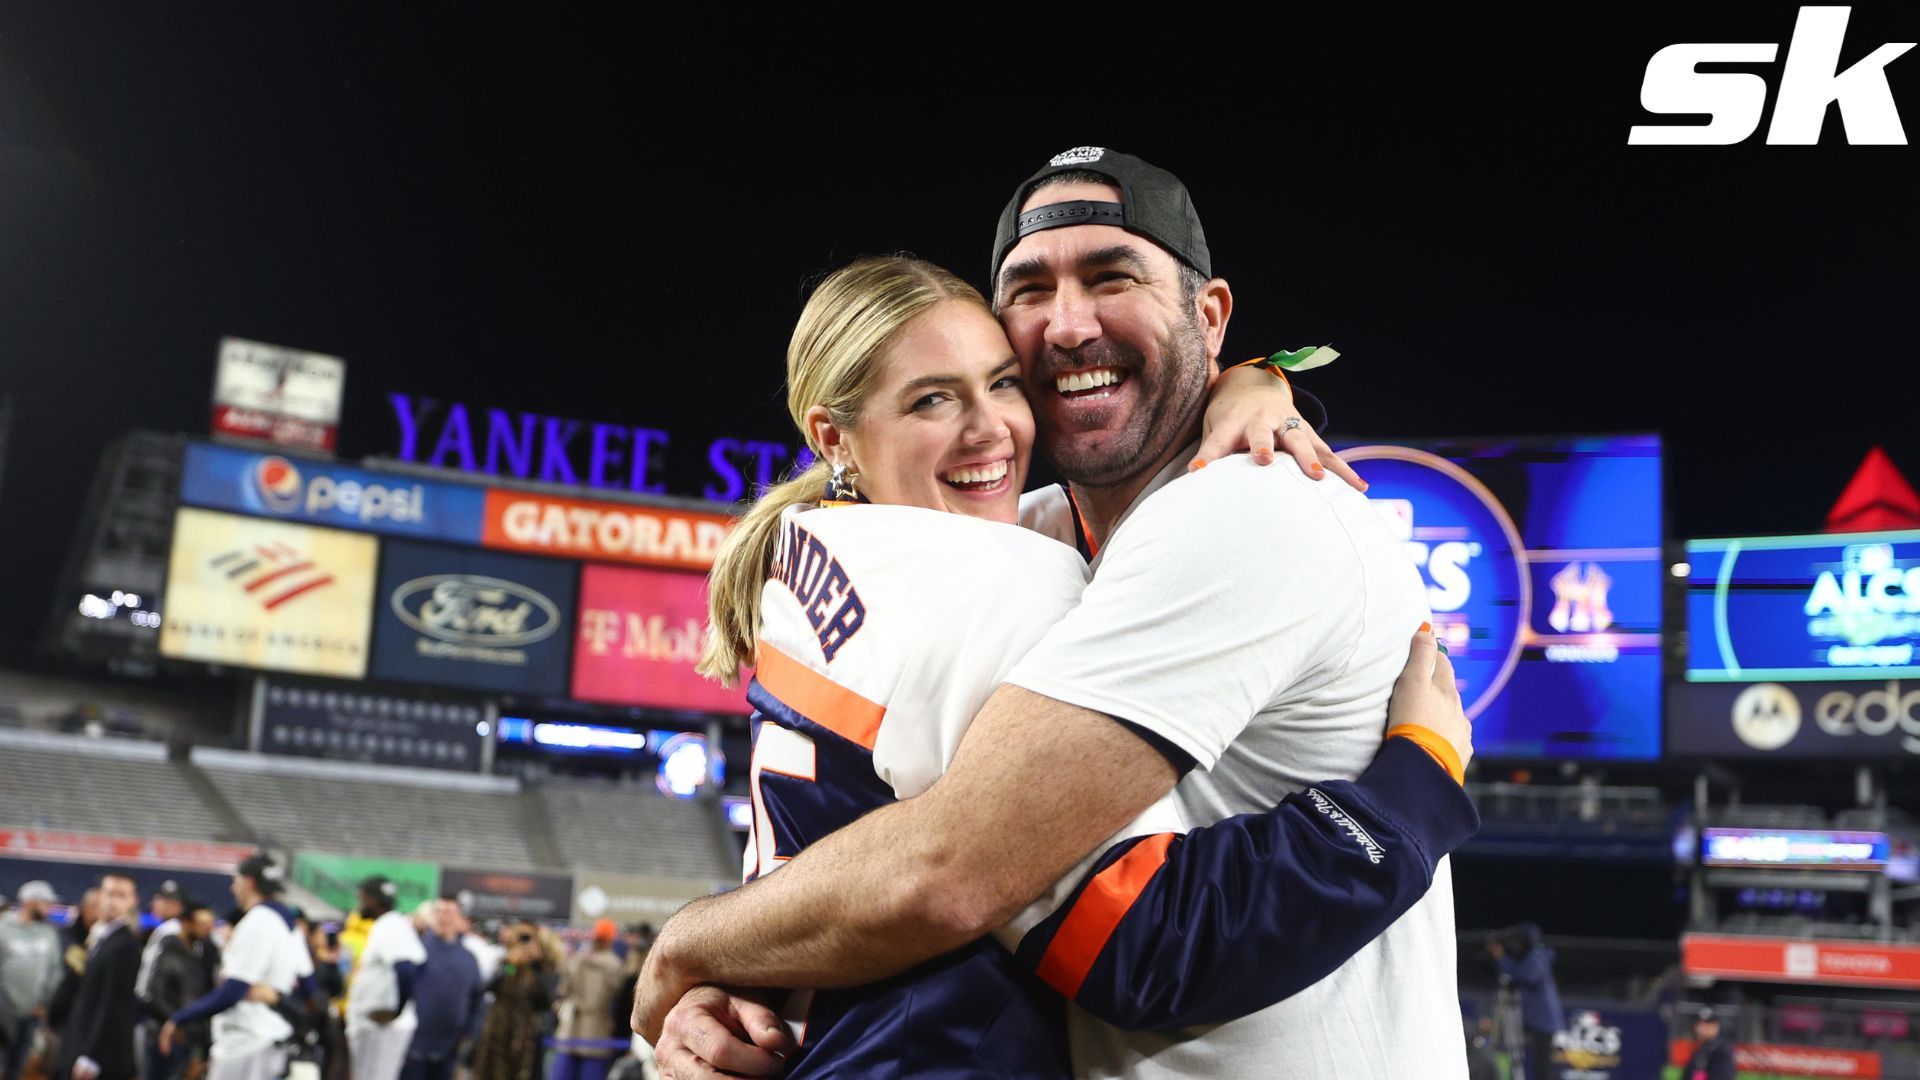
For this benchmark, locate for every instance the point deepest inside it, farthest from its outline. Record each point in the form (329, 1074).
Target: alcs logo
(1809, 82)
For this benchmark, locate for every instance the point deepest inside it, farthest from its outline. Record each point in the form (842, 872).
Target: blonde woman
(882, 595)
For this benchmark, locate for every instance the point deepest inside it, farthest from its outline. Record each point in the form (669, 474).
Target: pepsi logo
(277, 481)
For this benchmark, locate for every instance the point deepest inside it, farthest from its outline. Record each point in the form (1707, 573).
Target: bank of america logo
(272, 573)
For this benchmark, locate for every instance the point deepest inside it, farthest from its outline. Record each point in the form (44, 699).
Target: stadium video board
(639, 635)
(1798, 849)
(269, 595)
(1804, 608)
(473, 619)
(1543, 566)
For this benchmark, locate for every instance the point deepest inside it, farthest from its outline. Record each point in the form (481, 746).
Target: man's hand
(167, 1031)
(1249, 411)
(85, 1069)
(659, 989)
(383, 1017)
(711, 1032)
(264, 994)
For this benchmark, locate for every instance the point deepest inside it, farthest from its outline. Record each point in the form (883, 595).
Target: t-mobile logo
(1810, 81)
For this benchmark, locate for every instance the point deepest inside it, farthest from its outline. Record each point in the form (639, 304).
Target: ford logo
(465, 609)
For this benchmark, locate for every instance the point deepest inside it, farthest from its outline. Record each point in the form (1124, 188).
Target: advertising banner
(277, 394)
(1825, 963)
(381, 727)
(1794, 608)
(1847, 721)
(321, 493)
(633, 898)
(609, 531)
(490, 894)
(1543, 569)
(336, 878)
(473, 619)
(639, 635)
(268, 594)
(1782, 1059)
(1609, 1043)
(121, 850)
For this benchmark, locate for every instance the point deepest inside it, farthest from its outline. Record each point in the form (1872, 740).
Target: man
(1528, 965)
(589, 990)
(167, 904)
(447, 997)
(265, 959)
(29, 973)
(1713, 1058)
(178, 977)
(379, 1024)
(1247, 622)
(96, 1038)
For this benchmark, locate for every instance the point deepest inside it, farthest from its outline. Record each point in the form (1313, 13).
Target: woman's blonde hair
(834, 361)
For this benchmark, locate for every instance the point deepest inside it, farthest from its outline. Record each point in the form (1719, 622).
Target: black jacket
(180, 977)
(1712, 1060)
(99, 1022)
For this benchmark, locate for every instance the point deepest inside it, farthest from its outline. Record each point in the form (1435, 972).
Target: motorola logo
(1766, 716)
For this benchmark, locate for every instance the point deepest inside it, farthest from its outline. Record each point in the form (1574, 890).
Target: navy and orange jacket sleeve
(1168, 930)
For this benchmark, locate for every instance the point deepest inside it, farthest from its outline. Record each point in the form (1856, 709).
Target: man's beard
(1166, 403)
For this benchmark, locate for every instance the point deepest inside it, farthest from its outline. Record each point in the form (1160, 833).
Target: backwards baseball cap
(37, 892)
(264, 872)
(1153, 203)
(379, 885)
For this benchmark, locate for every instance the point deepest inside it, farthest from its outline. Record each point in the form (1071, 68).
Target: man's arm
(1047, 781)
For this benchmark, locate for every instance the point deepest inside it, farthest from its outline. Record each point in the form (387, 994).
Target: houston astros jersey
(884, 630)
(1271, 662)
(264, 950)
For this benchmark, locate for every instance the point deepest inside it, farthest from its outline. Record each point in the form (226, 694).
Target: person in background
(486, 952)
(1481, 1064)
(330, 983)
(29, 973)
(263, 959)
(1527, 964)
(379, 1024)
(509, 1045)
(589, 994)
(96, 1032)
(639, 940)
(179, 976)
(166, 906)
(1712, 1059)
(447, 1000)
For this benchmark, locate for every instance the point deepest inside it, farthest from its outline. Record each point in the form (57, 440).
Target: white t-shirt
(264, 949)
(1257, 619)
(375, 986)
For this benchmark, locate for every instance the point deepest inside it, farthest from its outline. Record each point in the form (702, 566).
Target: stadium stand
(450, 818)
(106, 786)
(626, 828)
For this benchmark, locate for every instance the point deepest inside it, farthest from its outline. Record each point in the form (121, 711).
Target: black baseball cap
(378, 885)
(264, 872)
(169, 890)
(1153, 203)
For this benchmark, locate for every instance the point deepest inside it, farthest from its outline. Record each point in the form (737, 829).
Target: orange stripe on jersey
(1098, 911)
(1436, 745)
(819, 698)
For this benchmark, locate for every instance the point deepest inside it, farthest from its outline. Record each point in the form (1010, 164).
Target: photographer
(522, 994)
(1527, 964)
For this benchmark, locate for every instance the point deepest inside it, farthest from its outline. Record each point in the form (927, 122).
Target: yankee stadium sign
(562, 450)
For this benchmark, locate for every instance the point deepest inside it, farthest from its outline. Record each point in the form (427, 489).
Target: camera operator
(1527, 964)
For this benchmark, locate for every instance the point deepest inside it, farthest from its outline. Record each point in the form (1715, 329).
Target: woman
(878, 628)
(509, 1044)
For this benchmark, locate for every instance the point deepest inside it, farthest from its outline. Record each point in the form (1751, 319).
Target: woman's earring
(840, 484)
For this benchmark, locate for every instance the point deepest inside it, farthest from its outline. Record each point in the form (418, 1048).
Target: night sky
(610, 216)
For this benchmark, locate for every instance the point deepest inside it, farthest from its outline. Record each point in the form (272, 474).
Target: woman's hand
(263, 994)
(1425, 696)
(1249, 411)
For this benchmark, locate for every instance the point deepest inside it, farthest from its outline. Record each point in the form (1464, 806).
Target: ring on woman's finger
(1293, 423)
(1442, 646)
